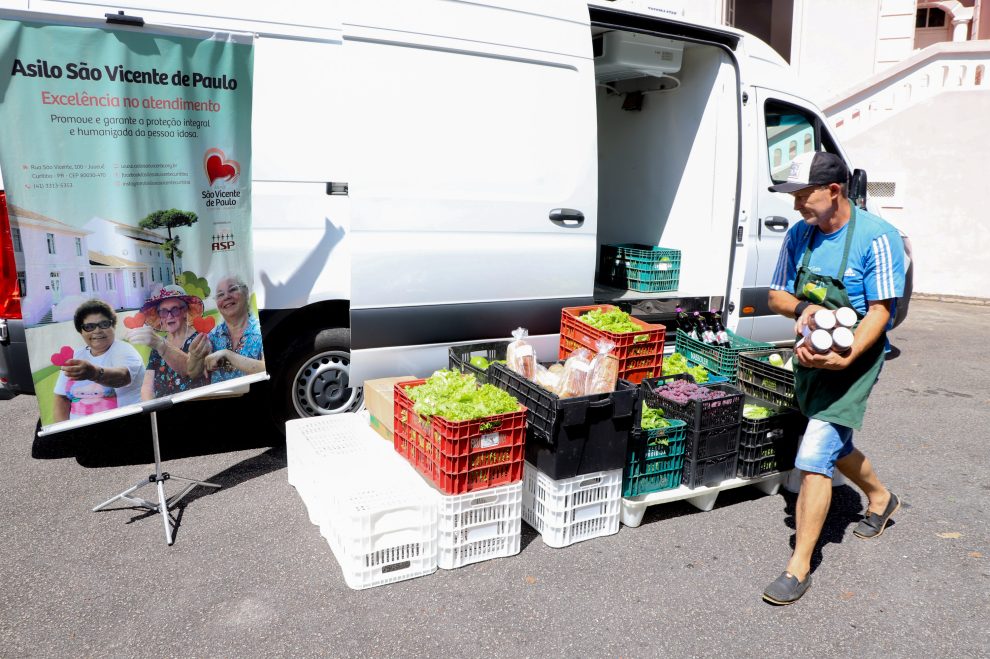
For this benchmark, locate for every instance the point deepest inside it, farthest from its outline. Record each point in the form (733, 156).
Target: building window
(152, 273)
(142, 279)
(82, 282)
(78, 246)
(141, 252)
(109, 281)
(50, 238)
(15, 235)
(93, 280)
(929, 17)
(22, 283)
(133, 280)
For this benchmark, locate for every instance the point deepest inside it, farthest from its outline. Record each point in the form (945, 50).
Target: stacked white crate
(378, 516)
(570, 510)
(480, 525)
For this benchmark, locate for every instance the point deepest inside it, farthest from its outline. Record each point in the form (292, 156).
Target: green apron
(838, 397)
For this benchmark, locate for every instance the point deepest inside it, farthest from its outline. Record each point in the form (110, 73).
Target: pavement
(249, 576)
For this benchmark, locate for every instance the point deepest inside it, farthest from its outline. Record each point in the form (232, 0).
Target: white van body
(418, 164)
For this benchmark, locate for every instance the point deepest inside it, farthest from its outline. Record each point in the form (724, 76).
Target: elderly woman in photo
(172, 311)
(233, 348)
(104, 374)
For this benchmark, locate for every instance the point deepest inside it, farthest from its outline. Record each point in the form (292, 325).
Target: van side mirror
(857, 187)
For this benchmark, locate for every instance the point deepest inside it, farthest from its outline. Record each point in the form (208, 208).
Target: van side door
(473, 172)
(787, 128)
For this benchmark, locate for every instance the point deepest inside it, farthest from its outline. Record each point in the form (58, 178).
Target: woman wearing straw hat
(171, 311)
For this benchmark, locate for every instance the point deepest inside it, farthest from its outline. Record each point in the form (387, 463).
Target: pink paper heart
(62, 356)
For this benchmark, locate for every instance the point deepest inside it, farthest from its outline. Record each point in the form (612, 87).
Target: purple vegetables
(682, 391)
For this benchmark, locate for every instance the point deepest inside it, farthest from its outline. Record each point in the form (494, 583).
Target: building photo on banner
(129, 195)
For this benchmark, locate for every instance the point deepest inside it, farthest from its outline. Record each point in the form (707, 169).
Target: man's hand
(830, 361)
(79, 369)
(807, 319)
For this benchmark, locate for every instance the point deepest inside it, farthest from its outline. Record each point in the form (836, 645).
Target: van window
(792, 131)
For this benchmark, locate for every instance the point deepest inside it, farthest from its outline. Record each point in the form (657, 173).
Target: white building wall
(934, 166)
(834, 44)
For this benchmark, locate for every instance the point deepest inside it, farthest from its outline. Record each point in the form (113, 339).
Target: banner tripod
(158, 478)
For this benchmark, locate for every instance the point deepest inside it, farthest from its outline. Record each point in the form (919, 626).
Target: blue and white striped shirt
(875, 270)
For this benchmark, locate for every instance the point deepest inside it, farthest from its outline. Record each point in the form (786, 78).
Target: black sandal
(872, 524)
(786, 589)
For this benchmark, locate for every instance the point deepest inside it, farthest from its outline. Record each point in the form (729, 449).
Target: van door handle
(567, 217)
(776, 223)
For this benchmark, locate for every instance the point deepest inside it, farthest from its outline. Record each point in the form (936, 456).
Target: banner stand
(158, 478)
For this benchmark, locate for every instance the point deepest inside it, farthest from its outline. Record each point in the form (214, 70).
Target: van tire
(313, 380)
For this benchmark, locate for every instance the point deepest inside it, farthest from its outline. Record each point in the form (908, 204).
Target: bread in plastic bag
(520, 355)
(604, 369)
(576, 370)
(548, 378)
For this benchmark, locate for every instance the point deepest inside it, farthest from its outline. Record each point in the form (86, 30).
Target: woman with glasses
(113, 365)
(170, 310)
(233, 348)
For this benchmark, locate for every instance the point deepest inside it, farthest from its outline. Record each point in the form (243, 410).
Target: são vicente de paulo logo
(217, 166)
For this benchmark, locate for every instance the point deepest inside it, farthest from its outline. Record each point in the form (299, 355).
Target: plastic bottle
(821, 341)
(721, 336)
(842, 339)
(686, 323)
(705, 334)
(824, 319)
(845, 317)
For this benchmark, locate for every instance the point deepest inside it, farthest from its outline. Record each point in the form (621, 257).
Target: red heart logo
(217, 166)
(62, 356)
(204, 324)
(135, 321)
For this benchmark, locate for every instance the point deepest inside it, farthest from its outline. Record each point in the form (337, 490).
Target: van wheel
(316, 376)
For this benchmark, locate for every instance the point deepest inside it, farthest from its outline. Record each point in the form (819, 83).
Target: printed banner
(127, 164)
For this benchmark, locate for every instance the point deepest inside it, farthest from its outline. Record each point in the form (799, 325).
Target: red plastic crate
(460, 456)
(640, 354)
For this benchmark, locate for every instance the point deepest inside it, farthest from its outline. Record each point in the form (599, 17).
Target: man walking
(839, 256)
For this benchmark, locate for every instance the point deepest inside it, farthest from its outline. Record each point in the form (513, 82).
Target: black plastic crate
(759, 467)
(711, 441)
(706, 472)
(778, 434)
(699, 415)
(459, 357)
(568, 437)
(757, 377)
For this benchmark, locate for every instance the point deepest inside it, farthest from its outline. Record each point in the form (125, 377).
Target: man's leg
(812, 508)
(857, 468)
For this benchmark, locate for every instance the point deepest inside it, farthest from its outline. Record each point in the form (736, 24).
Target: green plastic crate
(655, 459)
(642, 268)
(717, 359)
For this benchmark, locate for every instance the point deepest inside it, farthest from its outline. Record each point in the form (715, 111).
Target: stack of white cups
(834, 330)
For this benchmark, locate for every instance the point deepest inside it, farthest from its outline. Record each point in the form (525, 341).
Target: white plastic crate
(383, 533)
(571, 509)
(335, 454)
(478, 526)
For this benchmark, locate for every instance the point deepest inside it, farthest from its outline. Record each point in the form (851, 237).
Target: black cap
(813, 168)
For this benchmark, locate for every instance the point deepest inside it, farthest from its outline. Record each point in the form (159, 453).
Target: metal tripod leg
(164, 504)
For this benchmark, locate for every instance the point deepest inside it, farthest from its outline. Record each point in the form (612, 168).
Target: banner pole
(164, 504)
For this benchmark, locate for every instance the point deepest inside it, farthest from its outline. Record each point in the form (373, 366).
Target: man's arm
(784, 303)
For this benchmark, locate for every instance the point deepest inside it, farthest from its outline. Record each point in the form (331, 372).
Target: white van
(433, 172)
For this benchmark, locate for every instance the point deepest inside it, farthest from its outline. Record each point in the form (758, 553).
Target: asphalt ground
(249, 576)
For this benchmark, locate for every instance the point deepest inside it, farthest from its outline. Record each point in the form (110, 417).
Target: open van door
(473, 179)
(787, 128)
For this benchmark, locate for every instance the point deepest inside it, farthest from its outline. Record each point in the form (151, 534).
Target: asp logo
(223, 242)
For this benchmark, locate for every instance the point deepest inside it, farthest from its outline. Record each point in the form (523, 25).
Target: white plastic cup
(821, 341)
(824, 319)
(845, 317)
(842, 339)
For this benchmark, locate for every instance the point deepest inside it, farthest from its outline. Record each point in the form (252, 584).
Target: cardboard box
(378, 401)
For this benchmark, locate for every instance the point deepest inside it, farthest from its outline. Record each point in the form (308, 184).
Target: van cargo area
(667, 162)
